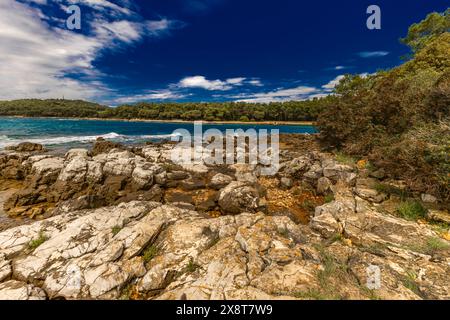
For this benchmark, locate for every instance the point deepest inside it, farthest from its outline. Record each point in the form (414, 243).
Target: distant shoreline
(270, 123)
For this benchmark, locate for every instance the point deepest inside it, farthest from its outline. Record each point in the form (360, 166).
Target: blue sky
(196, 50)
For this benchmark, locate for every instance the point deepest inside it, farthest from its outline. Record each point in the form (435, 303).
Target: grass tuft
(345, 159)
(150, 253)
(412, 210)
(434, 245)
(192, 266)
(38, 241)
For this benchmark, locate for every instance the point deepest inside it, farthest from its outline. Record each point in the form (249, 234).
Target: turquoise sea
(69, 133)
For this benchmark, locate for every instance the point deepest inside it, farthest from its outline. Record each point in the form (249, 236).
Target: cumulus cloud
(215, 85)
(373, 54)
(37, 58)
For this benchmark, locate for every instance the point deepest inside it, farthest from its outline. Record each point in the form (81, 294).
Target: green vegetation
(412, 210)
(409, 281)
(51, 108)
(308, 205)
(392, 190)
(435, 245)
(192, 266)
(329, 198)
(116, 230)
(150, 252)
(38, 241)
(345, 159)
(337, 237)
(212, 111)
(399, 119)
(284, 232)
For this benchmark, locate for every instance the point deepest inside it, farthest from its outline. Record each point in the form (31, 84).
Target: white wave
(5, 141)
(160, 136)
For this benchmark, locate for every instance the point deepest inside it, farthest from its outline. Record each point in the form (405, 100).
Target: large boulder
(27, 147)
(240, 197)
(47, 170)
(103, 146)
(219, 181)
(335, 172)
(143, 174)
(297, 166)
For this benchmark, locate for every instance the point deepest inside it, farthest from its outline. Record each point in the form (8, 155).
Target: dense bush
(400, 118)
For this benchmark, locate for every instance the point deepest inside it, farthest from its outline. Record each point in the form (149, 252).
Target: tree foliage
(211, 111)
(400, 118)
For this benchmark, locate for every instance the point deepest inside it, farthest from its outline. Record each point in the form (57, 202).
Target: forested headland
(208, 111)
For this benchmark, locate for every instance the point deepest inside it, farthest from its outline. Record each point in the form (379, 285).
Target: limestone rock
(219, 181)
(238, 197)
(324, 185)
(27, 147)
(366, 189)
(428, 198)
(16, 290)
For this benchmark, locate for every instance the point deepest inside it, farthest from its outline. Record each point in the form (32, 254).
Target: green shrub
(400, 118)
(345, 159)
(435, 245)
(38, 241)
(116, 229)
(412, 210)
(329, 198)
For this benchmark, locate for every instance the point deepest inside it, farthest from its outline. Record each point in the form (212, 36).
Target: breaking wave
(6, 141)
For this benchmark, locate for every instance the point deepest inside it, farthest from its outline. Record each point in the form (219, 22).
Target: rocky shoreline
(127, 223)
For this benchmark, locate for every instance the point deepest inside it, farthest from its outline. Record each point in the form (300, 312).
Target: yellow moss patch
(361, 164)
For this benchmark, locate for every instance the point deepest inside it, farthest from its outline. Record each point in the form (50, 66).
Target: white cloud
(293, 94)
(373, 54)
(36, 57)
(156, 95)
(202, 82)
(216, 85)
(255, 82)
(333, 83)
(124, 30)
(213, 85)
(100, 5)
(235, 81)
(298, 93)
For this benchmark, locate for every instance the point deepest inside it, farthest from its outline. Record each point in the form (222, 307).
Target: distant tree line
(208, 111)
